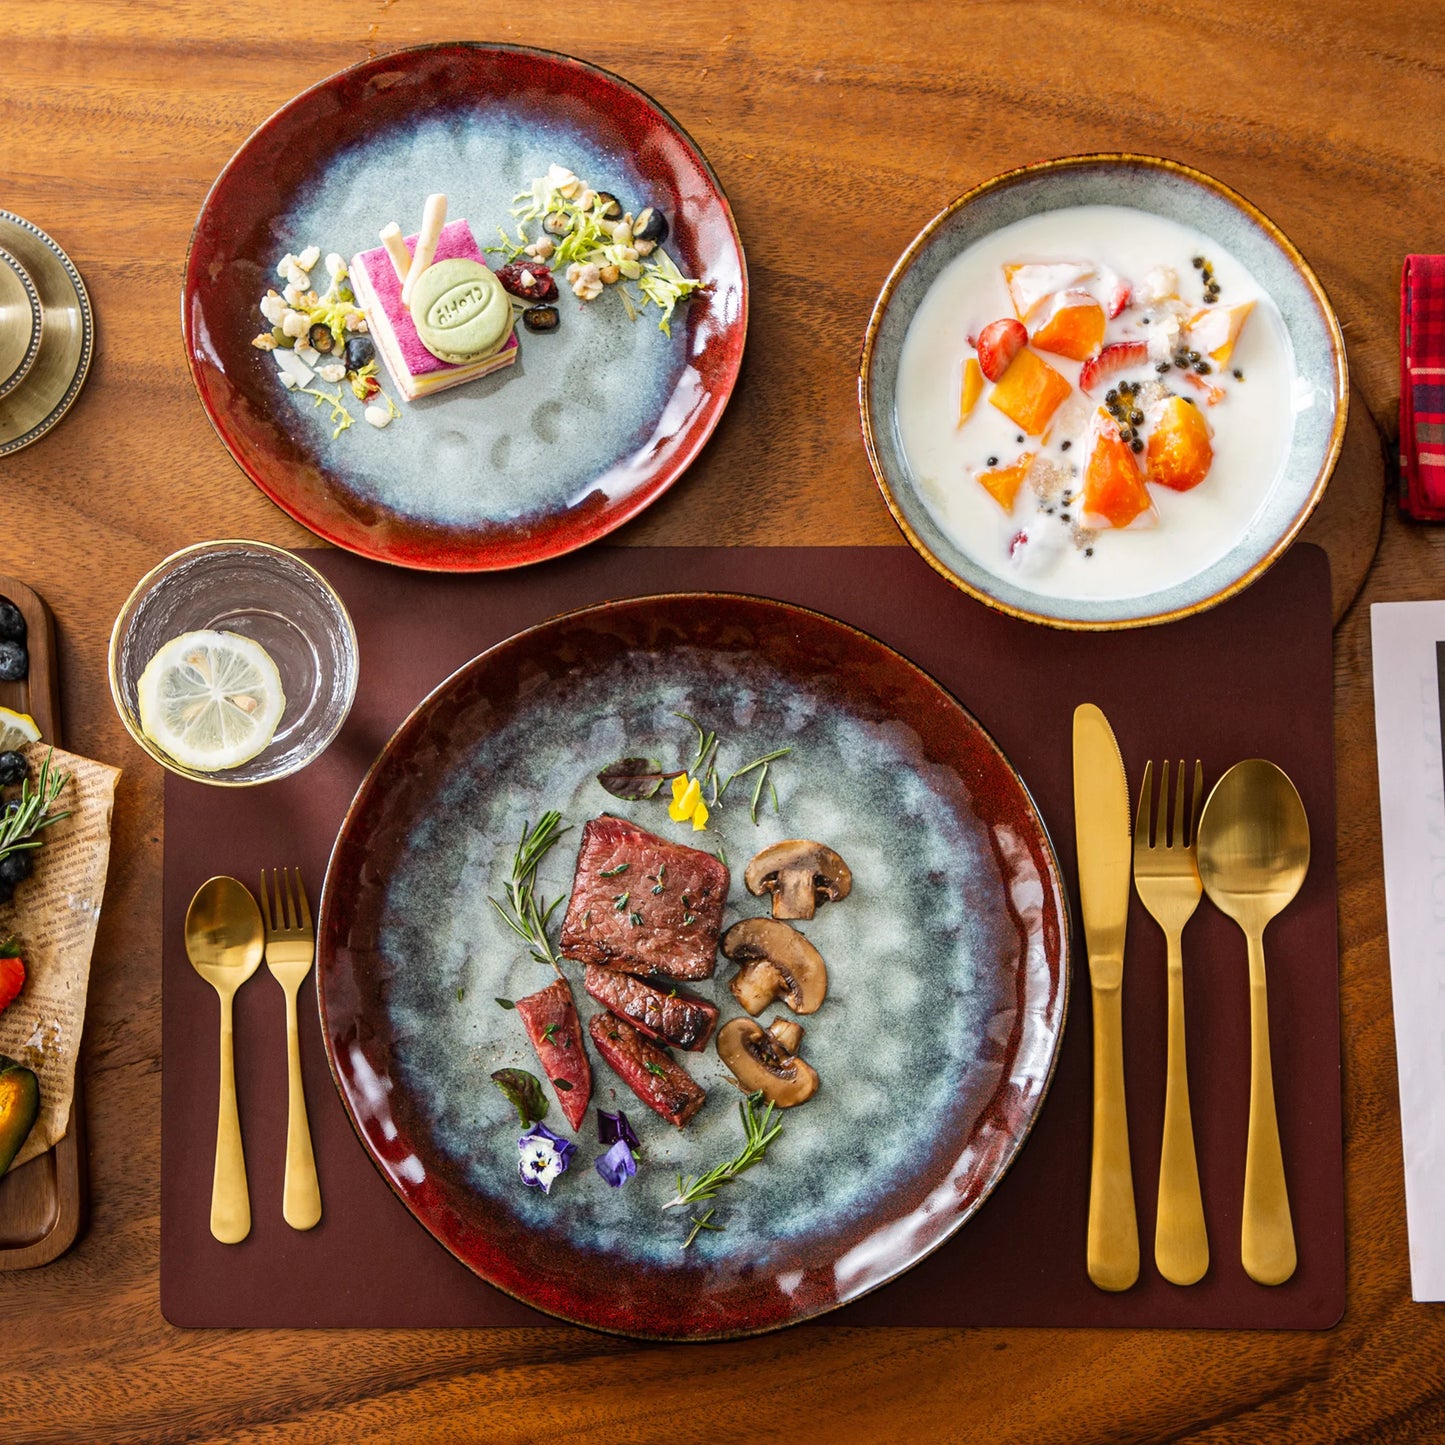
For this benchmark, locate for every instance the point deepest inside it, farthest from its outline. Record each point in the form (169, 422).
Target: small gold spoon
(224, 942)
(1254, 852)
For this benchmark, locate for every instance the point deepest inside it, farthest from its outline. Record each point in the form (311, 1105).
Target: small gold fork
(290, 950)
(1166, 876)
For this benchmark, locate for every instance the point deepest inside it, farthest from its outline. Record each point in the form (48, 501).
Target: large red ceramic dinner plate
(947, 963)
(592, 424)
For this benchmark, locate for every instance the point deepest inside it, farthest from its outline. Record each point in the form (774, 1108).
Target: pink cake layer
(456, 240)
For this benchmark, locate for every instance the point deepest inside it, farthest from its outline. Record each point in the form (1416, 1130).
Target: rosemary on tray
(525, 912)
(759, 1136)
(23, 819)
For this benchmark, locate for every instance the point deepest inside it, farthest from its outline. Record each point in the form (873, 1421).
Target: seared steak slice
(654, 1076)
(673, 1018)
(556, 1033)
(643, 904)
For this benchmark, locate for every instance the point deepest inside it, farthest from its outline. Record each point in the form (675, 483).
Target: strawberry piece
(1111, 361)
(12, 973)
(998, 343)
(1003, 483)
(1030, 392)
(1119, 297)
(1179, 452)
(1114, 490)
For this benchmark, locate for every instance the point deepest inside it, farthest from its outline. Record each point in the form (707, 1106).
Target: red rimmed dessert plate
(947, 963)
(591, 424)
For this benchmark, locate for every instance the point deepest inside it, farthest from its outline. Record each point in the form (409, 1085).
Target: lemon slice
(211, 700)
(16, 729)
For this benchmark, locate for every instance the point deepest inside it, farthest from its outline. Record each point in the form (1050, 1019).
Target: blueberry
(15, 867)
(360, 351)
(12, 768)
(12, 621)
(14, 662)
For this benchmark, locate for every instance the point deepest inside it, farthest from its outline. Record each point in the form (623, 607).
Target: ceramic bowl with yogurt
(1135, 226)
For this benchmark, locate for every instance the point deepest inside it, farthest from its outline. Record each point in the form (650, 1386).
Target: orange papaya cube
(970, 390)
(1213, 331)
(1029, 282)
(1030, 392)
(1179, 453)
(1114, 490)
(1070, 324)
(1003, 483)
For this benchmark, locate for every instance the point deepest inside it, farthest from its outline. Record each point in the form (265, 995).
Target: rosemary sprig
(526, 914)
(698, 1225)
(31, 811)
(759, 1136)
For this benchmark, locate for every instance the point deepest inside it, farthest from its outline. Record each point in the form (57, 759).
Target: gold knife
(1101, 828)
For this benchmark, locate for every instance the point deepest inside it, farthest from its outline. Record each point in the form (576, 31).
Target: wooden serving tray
(42, 1203)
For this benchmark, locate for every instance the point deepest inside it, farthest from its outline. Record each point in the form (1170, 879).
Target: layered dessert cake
(464, 326)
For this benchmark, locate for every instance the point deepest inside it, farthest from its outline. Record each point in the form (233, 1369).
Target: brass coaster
(20, 323)
(63, 340)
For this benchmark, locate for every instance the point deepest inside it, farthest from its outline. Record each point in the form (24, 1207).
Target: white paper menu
(1409, 651)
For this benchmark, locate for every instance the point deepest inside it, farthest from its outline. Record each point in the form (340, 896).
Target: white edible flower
(293, 323)
(332, 371)
(273, 307)
(309, 257)
(264, 342)
(378, 416)
(336, 265)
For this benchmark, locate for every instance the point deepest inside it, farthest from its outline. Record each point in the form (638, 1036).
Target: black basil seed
(1136, 445)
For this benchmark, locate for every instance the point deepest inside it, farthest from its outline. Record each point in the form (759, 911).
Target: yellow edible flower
(687, 802)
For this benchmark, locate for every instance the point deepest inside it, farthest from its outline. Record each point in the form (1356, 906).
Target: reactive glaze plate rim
(1039, 1015)
(416, 542)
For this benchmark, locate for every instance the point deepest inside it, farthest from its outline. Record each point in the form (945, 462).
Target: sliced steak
(654, 1076)
(679, 1019)
(643, 904)
(552, 1024)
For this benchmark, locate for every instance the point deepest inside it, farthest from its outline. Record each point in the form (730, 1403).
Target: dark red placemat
(1251, 678)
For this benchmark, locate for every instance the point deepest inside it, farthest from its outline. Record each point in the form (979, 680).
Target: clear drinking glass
(261, 592)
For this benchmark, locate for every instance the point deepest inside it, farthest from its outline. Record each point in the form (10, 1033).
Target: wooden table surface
(837, 131)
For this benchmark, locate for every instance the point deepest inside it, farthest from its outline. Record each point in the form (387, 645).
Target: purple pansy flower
(612, 1127)
(544, 1156)
(617, 1165)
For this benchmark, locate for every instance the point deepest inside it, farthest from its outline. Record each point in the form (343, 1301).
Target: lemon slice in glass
(16, 729)
(211, 700)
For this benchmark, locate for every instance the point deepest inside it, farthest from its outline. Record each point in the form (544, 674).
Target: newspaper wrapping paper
(53, 917)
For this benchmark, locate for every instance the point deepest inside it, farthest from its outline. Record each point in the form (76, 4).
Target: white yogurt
(1252, 426)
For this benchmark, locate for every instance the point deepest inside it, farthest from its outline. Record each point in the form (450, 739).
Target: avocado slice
(19, 1107)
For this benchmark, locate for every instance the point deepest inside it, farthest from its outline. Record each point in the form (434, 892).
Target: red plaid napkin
(1422, 388)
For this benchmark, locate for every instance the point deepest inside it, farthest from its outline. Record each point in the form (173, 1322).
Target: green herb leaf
(656, 1069)
(633, 779)
(31, 811)
(562, 1084)
(614, 872)
(524, 1092)
(461, 994)
(505, 1002)
(698, 1225)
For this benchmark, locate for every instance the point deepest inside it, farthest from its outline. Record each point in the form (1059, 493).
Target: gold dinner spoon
(224, 942)
(1254, 852)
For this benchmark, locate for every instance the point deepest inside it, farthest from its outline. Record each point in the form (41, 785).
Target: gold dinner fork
(1166, 876)
(290, 950)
